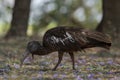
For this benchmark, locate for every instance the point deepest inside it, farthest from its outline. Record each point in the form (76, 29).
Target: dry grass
(90, 65)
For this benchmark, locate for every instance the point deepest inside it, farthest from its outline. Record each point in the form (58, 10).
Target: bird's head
(33, 48)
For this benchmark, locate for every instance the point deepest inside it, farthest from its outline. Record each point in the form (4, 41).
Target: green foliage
(3, 29)
(59, 11)
(30, 30)
(63, 13)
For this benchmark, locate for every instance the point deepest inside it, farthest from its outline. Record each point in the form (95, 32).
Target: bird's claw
(54, 69)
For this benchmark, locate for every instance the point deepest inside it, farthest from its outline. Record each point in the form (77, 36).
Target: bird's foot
(54, 69)
(74, 68)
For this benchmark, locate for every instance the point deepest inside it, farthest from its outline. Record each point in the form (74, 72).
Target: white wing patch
(54, 39)
(62, 40)
(69, 37)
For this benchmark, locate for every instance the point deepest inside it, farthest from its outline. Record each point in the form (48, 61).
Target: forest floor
(90, 65)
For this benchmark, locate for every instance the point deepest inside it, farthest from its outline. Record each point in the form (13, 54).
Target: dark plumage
(64, 39)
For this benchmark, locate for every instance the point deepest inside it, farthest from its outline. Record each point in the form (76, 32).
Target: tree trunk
(20, 18)
(111, 18)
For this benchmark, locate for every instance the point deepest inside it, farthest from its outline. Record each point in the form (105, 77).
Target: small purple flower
(110, 62)
(79, 61)
(115, 78)
(63, 76)
(16, 66)
(90, 76)
(41, 72)
(28, 60)
(102, 63)
(82, 61)
(100, 73)
(76, 73)
(44, 63)
(79, 78)
(55, 75)
(61, 65)
(88, 69)
(98, 79)
(110, 72)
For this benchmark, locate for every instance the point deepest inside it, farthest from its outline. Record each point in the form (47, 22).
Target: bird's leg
(84, 51)
(60, 55)
(72, 58)
(32, 58)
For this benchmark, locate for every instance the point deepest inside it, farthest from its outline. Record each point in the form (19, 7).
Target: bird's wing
(66, 39)
(71, 38)
(97, 36)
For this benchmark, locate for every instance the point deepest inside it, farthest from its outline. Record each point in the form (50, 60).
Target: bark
(111, 18)
(19, 23)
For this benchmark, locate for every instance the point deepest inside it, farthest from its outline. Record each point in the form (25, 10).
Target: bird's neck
(48, 51)
(45, 51)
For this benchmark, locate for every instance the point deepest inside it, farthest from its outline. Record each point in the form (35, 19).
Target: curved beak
(32, 56)
(25, 55)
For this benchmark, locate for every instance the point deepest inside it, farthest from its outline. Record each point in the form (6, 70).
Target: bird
(64, 39)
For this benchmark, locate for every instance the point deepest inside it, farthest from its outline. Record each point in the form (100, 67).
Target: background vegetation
(51, 13)
(24, 20)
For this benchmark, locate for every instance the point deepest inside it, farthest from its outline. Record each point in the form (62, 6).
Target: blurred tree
(60, 11)
(20, 18)
(111, 18)
(67, 12)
